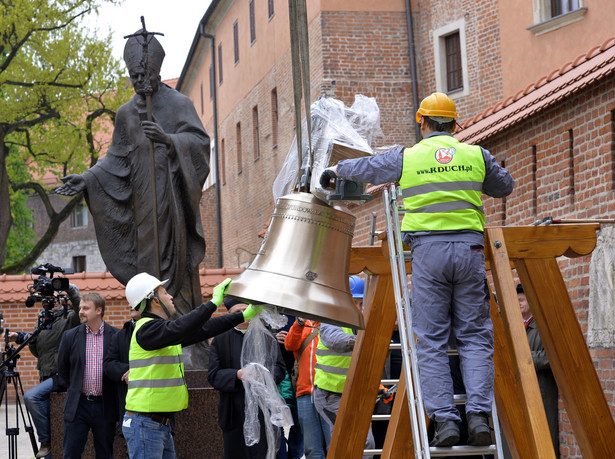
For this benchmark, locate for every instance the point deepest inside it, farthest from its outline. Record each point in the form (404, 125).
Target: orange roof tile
(571, 77)
(13, 288)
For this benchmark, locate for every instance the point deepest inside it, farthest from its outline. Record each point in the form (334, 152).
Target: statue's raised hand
(73, 184)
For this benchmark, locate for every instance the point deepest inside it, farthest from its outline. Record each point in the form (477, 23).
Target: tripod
(10, 377)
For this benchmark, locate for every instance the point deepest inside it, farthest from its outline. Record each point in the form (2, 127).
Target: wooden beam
(549, 241)
(364, 375)
(571, 363)
(528, 417)
(398, 443)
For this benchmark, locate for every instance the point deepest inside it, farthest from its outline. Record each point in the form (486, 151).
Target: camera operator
(45, 348)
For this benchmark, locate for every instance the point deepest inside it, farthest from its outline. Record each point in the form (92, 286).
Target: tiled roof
(172, 82)
(548, 90)
(13, 288)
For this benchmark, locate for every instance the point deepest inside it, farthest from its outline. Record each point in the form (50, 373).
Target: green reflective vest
(156, 383)
(331, 367)
(442, 182)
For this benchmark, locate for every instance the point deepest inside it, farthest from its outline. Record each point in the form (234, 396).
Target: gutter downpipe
(413, 74)
(215, 122)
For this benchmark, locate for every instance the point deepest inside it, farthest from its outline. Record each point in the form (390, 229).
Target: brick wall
(367, 53)
(346, 53)
(13, 292)
(570, 150)
(482, 31)
(210, 227)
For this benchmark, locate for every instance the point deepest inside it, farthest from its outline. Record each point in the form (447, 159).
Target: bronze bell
(302, 264)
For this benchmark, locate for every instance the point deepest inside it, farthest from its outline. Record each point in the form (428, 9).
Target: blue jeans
(37, 402)
(292, 448)
(316, 432)
(147, 439)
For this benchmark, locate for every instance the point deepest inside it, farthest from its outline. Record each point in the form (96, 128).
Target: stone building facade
(559, 148)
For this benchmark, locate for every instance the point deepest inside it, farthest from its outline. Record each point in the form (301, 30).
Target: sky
(177, 19)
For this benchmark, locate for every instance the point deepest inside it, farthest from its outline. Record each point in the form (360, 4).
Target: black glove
(326, 176)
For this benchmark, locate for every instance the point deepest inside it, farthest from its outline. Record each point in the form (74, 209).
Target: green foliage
(21, 237)
(59, 90)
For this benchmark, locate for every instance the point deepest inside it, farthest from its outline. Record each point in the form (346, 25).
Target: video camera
(46, 288)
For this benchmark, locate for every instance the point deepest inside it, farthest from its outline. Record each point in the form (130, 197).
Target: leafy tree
(58, 86)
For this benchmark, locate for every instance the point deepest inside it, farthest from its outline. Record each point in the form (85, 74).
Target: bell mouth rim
(337, 309)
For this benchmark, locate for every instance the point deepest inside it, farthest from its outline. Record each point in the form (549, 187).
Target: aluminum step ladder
(398, 259)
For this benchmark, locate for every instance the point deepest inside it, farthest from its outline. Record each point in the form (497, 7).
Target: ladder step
(389, 382)
(371, 452)
(381, 417)
(462, 450)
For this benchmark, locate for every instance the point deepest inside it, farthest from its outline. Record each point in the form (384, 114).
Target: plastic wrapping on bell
(302, 264)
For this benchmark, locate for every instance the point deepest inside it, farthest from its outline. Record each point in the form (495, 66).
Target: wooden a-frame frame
(532, 250)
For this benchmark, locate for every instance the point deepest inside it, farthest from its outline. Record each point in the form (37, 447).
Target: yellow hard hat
(438, 107)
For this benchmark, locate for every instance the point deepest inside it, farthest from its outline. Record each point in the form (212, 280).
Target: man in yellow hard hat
(442, 181)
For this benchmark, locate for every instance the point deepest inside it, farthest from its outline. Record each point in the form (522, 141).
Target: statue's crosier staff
(148, 91)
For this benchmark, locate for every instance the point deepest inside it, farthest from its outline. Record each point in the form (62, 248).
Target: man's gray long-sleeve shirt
(336, 339)
(387, 167)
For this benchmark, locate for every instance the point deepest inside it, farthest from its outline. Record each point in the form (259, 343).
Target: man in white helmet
(156, 384)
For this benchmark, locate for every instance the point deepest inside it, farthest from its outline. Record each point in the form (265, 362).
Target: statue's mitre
(133, 51)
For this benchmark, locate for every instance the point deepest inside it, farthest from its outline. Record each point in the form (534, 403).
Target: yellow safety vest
(331, 367)
(156, 383)
(442, 182)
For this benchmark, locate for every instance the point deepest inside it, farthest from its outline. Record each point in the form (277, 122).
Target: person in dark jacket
(546, 380)
(45, 348)
(116, 365)
(91, 397)
(225, 374)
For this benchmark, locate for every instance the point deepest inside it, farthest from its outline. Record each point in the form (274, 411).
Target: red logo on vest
(445, 155)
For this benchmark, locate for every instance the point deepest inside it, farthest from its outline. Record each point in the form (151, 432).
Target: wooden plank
(549, 241)
(364, 375)
(511, 413)
(529, 417)
(569, 357)
(369, 259)
(398, 443)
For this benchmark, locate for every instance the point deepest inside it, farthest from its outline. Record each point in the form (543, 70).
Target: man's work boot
(479, 433)
(447, 434)
(44, 450)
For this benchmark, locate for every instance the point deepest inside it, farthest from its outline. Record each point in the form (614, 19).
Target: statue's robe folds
(119, 196)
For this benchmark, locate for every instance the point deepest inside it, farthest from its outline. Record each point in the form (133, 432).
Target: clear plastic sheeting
(356, 127)
(258, 361)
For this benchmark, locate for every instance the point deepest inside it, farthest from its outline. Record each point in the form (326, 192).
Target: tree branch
(89, 135)
(39, 83)
(55, 219)
(12, 127)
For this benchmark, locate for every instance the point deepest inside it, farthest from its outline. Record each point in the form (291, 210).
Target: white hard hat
(141, 287)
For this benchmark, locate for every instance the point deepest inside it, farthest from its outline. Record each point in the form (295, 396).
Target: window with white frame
(79, 264)
(451, 67)
(553, 14)
(79, 217)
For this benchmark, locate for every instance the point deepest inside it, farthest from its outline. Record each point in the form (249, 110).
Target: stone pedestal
(198, 433)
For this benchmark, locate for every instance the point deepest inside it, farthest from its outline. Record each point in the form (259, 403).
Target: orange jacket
(295, 337)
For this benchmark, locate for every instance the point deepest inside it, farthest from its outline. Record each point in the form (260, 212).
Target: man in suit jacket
(91, 399)
(116, 363)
